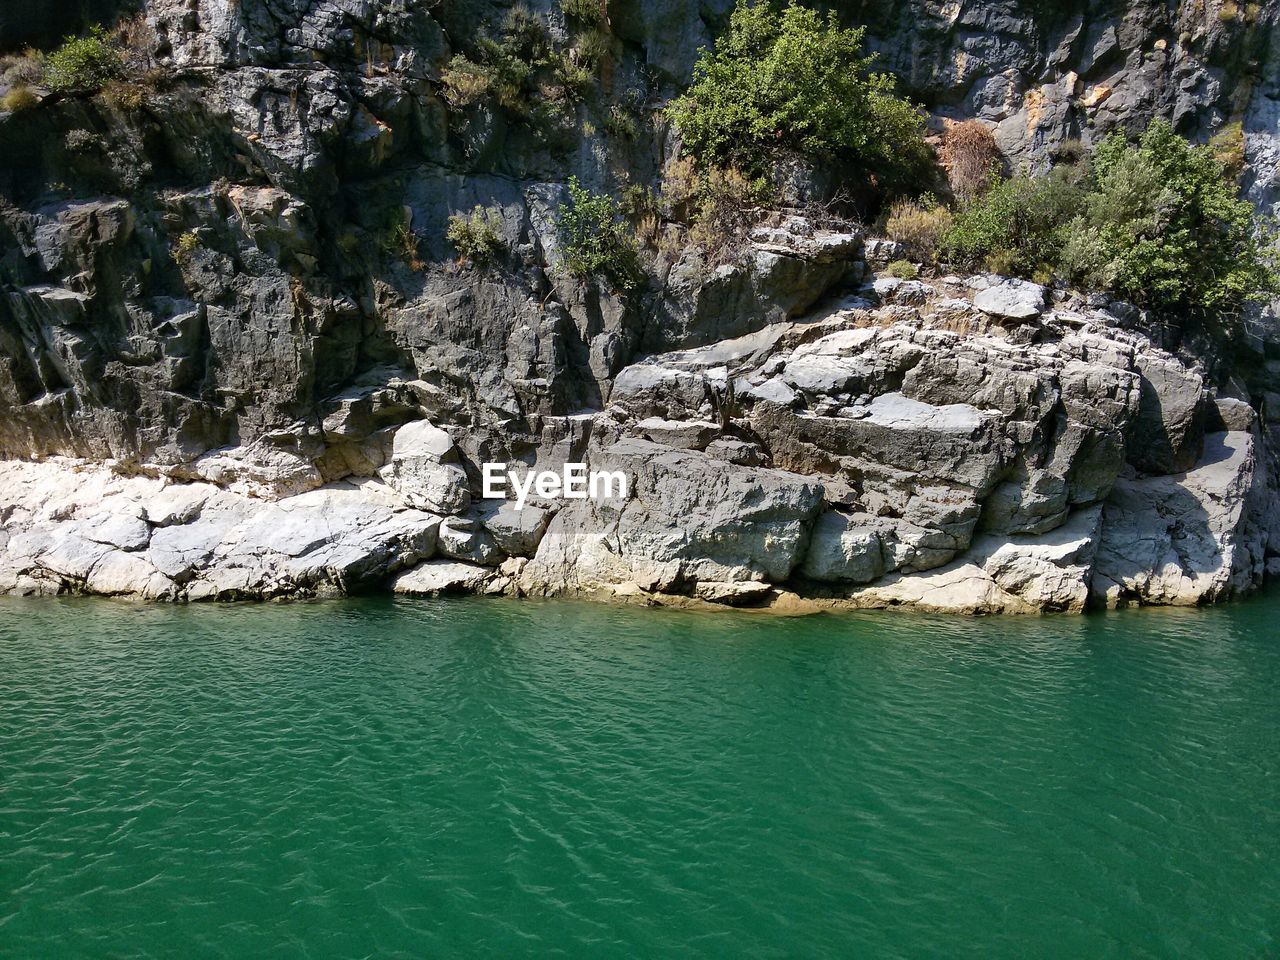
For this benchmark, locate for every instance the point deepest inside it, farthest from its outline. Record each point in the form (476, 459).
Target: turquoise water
(387, 778)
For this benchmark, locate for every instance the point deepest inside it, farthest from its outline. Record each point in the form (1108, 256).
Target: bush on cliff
(788, 81)
(919, 225)
(83, 64)
(1164, 227)
(595, 240)
(1157, 222)
(476, 236)
(1017, 225)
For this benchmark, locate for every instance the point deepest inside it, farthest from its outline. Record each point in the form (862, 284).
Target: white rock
(1181, 539)
(442, 576)
(424, 469)
(1011, 299)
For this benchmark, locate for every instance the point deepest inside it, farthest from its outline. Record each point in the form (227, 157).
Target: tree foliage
(1164, 227)
(595, 240)
(788, 80)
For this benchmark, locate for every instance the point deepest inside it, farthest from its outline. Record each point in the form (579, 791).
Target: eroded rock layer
(224, 374)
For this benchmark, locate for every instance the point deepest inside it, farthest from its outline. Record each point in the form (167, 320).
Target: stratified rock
(687, 518)
(682, 434)
(909, 292)
(517, 532)
(844, 548)
(464, 539)
(1012, 300)
(438, 577)
(1169, 426)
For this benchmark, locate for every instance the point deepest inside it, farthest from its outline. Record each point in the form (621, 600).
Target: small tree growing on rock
(83, 64)
(790, 81)
(595, 239)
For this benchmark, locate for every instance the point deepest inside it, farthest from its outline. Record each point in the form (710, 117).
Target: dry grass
(971, 158)
(919, 227)
(19, 98)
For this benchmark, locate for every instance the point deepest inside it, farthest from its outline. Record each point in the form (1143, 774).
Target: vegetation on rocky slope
(1157, 222)
(788, 81)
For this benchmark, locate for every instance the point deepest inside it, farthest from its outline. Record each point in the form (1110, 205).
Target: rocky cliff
(223, 374)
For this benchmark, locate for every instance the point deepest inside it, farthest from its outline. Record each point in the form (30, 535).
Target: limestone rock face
(1182, 539)
(239, 357)
(425, 471)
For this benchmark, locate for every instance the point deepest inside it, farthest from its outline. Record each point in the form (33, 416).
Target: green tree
(789, 80)
(595, 240)
(1164, 227)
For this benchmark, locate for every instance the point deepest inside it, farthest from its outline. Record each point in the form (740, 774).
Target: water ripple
(403, 779)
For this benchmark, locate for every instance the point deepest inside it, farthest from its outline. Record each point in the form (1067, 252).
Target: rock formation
(224, 375)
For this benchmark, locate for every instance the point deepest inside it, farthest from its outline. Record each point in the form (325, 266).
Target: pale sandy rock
(1010, 299)
(517, 532)
(1182, 539)
(912, 293)
(425, 469)
(682, 434)
(465, 539)
(258, 470)
(844, 548)
(437, 577)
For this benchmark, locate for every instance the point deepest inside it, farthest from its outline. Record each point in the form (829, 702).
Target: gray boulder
(1011, 300)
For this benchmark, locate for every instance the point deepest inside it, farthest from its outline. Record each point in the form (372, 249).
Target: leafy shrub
(594, 46)
(573, 77)
(902, 269)
(970, 157)
(83, 64)
(1018, 225)
(503, 68)
(20, 97)
(919, 225)
(465, 82)
(594, 240)
(476, 236)
(1164, 227)
(791, 81)
(185, 247)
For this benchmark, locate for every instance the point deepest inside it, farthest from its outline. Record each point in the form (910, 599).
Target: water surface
(382, 778)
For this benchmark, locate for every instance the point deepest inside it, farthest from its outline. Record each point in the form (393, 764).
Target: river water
(387, 778)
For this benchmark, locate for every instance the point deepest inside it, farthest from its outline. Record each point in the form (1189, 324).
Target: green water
(502, 779)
